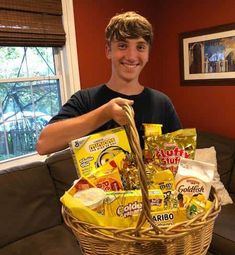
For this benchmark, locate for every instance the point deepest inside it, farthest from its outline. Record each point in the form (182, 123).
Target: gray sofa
(30, 215)
(223, 240)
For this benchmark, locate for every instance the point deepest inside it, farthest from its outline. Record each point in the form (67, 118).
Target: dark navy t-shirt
(150, 106)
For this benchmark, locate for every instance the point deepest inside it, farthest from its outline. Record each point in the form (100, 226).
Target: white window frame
(69, 78)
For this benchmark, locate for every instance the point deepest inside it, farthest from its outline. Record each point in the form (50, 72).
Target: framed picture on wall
(207, 56)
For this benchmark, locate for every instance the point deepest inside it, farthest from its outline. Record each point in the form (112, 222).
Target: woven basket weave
(184, 238)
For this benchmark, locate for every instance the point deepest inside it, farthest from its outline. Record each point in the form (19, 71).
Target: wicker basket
(184, 238)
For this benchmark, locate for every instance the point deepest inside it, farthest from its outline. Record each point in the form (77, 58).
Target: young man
(129, 37)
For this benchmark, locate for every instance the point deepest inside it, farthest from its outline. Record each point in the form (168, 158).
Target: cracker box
(93, 151)
(129, 203)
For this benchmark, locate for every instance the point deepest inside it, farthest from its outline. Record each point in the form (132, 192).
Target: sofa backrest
(28, 202)
(62, 170)
(225, 153)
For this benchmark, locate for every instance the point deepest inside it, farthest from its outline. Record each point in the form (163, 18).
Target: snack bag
(95, 150)
(198, 204)
(106, 177)
(152, 129)
(92, 198)
(86, 214)
(122, 162)
(130, 176)
(151, 132)
(129, 203)
(169, 217)
(165, 181)
(82, 184)
(168, 148)
(194, 177)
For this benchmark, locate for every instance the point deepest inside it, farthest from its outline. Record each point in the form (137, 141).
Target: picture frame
(207, 56)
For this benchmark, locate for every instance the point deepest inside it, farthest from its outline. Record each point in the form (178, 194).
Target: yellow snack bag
(152, 129)
(129, 203)
(151, 132)
(83, 213)
(79, 210)
(168, 217)
(95, 150)
(198, 204)
(169, 148)
(106, 177)
(164, 180)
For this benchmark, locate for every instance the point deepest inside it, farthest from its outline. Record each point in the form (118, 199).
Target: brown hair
(129, 25)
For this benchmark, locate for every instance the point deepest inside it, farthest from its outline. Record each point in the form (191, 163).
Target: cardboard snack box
(93, 151)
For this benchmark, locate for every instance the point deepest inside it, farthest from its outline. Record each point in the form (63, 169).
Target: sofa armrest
(62, 170)
(28, 202)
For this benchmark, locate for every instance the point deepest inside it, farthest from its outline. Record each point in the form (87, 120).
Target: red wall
(210, 108)
(91, 18)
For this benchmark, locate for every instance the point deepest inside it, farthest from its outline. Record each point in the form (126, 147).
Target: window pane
(26, 62)
(26, 108)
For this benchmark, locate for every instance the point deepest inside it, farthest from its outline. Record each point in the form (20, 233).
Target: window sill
(21, 160)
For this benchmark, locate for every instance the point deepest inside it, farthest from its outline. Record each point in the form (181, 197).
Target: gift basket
(186, 237)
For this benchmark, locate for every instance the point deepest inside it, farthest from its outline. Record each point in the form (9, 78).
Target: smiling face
(128, 58)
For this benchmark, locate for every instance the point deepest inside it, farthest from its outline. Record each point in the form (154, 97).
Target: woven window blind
(31, 23)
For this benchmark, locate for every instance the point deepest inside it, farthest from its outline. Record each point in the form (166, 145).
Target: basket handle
(134, 142)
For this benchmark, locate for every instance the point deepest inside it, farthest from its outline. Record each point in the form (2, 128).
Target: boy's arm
(56, 136)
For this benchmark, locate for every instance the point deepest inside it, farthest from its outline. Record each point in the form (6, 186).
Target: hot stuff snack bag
(93, 151)
(106, 177)
(168, 148)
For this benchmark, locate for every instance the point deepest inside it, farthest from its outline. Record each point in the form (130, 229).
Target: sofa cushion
(57, 240)
(28, 202)
(232, 183)
(225, 152)
(209, 155)
(62, 169)
(223, 241)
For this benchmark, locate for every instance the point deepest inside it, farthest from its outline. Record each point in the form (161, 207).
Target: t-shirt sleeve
(77, 105)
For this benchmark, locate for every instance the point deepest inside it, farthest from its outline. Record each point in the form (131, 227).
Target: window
(29, 97)
(64, 77)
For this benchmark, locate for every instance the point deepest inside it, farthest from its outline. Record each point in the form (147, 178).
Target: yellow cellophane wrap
(86, 214)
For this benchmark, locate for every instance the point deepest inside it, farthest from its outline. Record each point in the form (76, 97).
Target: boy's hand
(115, 111)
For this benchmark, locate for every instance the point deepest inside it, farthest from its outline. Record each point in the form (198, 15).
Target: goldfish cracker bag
(194, 177)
